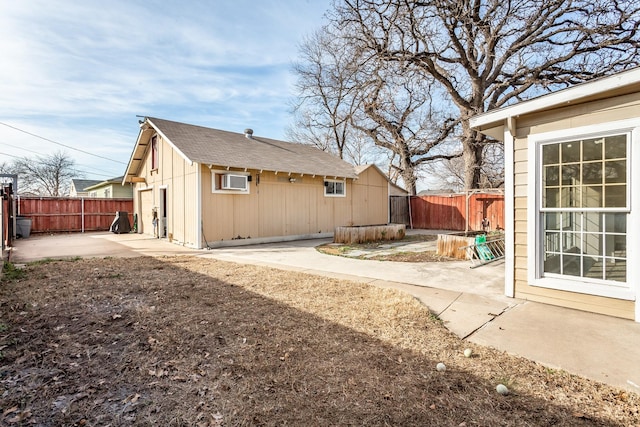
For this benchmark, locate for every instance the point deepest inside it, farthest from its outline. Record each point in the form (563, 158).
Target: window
(584, 208)
(230, 182)
(154, 152)
(334, 188)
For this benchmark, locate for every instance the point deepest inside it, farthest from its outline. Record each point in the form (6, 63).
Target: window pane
(593, 267)
(592, 149)
(552, 264)
(552, 242)
(330, 188)
(615, 196)
(593, 244)
(592, 173)
(551, 198)
(339, 188)
(593, 222)
(616, 223)
(570, 174)
(592, 196)
(571, 221)
(570, 197)
(616, 270)
(552, 221)
(571, 265)
(615, 171)
(550, 154)
(551, 175)
(570, 152)
(616, 147)
(571, 242)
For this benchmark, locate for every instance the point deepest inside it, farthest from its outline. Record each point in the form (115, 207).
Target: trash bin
(23, 227)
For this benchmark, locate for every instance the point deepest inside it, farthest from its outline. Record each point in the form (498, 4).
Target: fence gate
(399, 210)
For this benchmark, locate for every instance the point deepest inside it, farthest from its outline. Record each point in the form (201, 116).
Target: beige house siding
(370, 198)
(602, 111)
(274, 207)
(178, 177)
(112, 191)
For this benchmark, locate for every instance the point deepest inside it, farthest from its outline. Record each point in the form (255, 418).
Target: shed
(200, 187)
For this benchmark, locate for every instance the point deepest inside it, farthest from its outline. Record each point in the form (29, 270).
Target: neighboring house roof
(98, 184)
(493, 122)
(361, 168)
(83, 184)
(221, 148)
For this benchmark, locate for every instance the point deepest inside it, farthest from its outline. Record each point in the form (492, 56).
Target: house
(203, 187)
(110, 189)
(78, 187)
(572, 192)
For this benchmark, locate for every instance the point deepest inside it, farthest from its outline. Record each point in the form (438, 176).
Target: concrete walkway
(469, 301)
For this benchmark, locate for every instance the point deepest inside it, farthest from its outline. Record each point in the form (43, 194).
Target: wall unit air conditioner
(234, 182)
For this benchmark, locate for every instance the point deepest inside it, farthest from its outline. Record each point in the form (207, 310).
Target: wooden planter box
(368, 233)
(449, 245)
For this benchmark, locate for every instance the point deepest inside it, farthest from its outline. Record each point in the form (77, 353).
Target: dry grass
(187, 341)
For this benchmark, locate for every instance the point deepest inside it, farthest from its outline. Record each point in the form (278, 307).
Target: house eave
(492, 122)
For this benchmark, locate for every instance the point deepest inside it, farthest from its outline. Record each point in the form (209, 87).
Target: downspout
(199, 223)
(509, 205)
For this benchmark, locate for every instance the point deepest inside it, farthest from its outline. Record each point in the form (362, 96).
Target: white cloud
(79, 72)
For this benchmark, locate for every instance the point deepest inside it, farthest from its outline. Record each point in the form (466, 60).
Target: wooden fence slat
(64, 214)
(448, 212)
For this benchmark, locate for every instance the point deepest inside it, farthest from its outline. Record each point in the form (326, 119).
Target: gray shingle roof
(81, 184)
(221, 148)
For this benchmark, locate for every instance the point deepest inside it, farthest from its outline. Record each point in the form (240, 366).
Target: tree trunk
(408, 176)
(472, 145)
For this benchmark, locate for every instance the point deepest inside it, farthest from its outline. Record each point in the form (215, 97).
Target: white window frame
(344, 187)
(214, 181)
(628, 290)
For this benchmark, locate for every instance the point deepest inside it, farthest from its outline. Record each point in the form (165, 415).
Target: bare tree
(326, 97)
(485, 54)
(348, 105)
(397, 114)
(449, 173)
(46, 175)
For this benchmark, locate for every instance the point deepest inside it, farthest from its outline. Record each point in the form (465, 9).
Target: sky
(79, 73)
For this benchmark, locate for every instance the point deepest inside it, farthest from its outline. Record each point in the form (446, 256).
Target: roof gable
(81, 184)
(229, 149)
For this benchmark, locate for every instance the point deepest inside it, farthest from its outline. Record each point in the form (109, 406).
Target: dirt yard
(186, 341)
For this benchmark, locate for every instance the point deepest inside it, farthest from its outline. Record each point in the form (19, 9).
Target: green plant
(10, 272)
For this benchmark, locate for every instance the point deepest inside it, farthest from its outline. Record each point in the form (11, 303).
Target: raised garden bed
(369, 233)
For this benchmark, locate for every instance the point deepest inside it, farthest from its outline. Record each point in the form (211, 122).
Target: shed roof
(82, 184)
(229, 149)
(492, 122)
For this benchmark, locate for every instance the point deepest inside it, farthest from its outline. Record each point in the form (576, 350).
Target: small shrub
(11, 273)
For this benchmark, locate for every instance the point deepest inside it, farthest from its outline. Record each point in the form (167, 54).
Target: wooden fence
(450, 211)
(65, 214)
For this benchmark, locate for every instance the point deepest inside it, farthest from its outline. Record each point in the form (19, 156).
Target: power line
(106, 173)
(78, 170)
(61, 144)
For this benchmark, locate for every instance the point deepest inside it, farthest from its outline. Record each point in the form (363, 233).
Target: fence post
(410, 217)
(82, 214)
